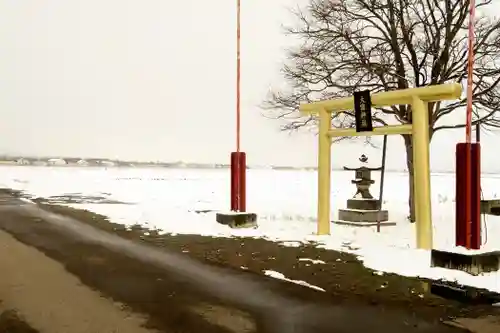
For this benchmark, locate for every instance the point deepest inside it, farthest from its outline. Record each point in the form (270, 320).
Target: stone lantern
(362, 209)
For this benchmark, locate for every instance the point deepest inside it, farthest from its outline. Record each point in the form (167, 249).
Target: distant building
(40, 163)
(83, 163)
(107, 163)
(23, 161)
(56, 162)
(179, 164)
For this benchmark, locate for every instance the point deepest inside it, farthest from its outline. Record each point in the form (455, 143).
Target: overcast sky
(154, 80)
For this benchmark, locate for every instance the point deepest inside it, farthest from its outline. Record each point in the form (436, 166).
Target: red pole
(238, 73)
(468, 126)
(470, 72)
(238, 158)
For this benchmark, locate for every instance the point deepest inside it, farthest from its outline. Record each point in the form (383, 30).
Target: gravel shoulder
(51, 299)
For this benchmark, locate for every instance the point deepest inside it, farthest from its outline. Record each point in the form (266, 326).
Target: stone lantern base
(363, 212)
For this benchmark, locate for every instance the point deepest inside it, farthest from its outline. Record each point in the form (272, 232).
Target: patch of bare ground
(343, 276)
(12, 322)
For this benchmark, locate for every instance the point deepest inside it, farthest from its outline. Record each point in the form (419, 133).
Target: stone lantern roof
(363, 164)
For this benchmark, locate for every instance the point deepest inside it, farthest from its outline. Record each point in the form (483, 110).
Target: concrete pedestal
(363, 212)
(473, 264)
(363, 218)
(237, 219)
(490, 207)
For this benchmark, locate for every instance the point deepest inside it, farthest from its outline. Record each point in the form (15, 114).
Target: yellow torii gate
(418, 99)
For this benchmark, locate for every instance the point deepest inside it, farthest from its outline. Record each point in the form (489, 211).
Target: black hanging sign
(363, 111)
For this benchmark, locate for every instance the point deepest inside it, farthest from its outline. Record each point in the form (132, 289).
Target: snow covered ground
(285, 201)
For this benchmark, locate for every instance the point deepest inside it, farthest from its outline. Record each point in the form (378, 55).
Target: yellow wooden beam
(324, 174)
(395, 97)
(422, 174)
(384, 130)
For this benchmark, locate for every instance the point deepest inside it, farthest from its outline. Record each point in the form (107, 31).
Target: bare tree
(383, 45)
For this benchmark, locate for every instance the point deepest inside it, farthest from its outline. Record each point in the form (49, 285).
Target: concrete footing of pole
(471, 263)
(237, 219)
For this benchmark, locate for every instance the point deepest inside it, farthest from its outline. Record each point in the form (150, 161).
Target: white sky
(155, 80)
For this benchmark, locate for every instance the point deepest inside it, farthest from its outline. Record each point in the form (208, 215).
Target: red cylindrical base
(238, 181)
(468, 236)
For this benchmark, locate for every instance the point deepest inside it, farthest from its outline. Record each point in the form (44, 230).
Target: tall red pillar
(468, 229)
(238, 181)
